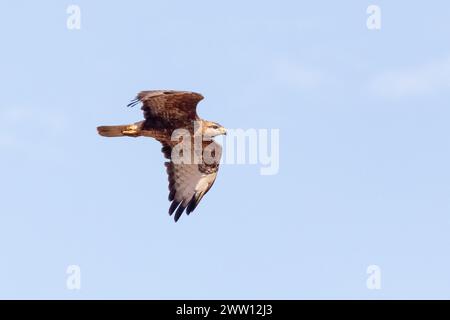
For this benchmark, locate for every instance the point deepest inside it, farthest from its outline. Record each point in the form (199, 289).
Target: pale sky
(363, 177)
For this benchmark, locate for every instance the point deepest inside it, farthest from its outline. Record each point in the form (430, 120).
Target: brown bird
(194, 161)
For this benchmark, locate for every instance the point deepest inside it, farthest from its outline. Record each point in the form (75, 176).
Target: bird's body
(171, 118)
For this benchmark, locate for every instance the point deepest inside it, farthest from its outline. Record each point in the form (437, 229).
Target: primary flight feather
(166, 111)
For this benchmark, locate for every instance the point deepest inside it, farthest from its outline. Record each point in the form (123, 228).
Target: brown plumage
(164, 112)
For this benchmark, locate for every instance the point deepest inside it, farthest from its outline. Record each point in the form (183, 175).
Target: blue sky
(364, 150)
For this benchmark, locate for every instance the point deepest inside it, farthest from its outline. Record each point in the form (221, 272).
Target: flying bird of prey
(165, 112)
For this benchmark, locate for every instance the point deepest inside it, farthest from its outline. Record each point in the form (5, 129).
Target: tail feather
(112, 131)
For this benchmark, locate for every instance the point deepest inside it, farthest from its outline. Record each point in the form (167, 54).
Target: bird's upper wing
(168, 105)
(188, 183)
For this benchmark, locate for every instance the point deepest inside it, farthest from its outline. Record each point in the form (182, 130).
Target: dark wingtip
(179, 212)
(191, 205)
(173, 206)
(133, 102)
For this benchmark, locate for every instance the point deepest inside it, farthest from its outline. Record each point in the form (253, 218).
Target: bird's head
(213, 129)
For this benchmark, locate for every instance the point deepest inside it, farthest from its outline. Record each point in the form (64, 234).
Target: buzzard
(193, 161)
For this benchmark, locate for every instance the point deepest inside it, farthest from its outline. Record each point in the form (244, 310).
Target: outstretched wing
(166, 108)
(188, 183)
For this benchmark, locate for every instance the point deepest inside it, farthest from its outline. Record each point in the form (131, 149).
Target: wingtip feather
(133, 102)
(179, 212)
